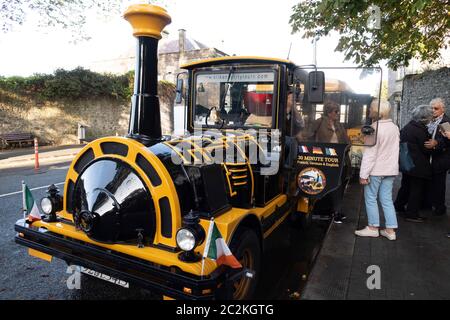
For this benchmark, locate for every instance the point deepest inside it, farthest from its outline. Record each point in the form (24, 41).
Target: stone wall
(57, 122)
(422, 88)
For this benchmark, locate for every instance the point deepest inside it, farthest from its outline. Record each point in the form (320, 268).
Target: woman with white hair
(411, 192)
(379, 167)
(440, 159)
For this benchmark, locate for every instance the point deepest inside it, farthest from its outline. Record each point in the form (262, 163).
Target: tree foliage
(68, 14)
(408, 28)
(71, 84)
(77, 84)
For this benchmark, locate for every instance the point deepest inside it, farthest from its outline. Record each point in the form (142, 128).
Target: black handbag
(406, 163)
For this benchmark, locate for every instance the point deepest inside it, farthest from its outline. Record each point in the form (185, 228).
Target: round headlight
(185, 239)
(46, 205)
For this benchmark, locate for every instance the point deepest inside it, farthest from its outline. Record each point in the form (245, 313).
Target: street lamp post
(398, 99)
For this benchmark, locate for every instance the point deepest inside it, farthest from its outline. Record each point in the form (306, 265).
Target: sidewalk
(416, 266)
(47, 154)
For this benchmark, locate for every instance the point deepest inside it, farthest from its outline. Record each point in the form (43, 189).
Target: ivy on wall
(75, 84)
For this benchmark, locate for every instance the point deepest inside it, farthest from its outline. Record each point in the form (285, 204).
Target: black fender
(250, 221)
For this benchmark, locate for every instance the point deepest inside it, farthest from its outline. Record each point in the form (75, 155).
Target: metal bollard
(36, 155)
(81, 133)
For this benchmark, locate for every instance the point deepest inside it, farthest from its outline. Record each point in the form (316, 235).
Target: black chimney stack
(145, 120)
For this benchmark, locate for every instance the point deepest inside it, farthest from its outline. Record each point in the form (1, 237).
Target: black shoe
(448, 235)
(415, 219)
(338, 218)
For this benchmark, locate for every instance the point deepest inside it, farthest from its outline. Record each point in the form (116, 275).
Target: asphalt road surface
(285, 266)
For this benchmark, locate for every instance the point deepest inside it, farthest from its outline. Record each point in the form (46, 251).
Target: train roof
(332, 85)
(236, 59)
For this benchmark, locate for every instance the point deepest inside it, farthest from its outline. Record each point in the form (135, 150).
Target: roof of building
(172, 45)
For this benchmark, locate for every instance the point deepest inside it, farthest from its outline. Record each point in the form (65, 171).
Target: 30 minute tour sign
(320, 168)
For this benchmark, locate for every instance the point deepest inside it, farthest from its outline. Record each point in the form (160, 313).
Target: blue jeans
(380, 187)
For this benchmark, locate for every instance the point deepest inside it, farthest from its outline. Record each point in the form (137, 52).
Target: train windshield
(232, 97)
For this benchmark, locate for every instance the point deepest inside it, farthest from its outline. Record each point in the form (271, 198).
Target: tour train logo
(312, 181)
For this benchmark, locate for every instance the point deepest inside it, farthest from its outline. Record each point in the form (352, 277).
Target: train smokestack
(147, 22)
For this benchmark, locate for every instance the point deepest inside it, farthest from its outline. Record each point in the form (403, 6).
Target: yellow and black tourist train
(245, 160)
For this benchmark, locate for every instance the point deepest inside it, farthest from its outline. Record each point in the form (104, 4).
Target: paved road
(24, 277)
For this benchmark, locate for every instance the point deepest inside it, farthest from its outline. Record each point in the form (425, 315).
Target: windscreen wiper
(222, 103)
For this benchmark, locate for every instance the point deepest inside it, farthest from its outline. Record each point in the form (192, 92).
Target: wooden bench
(16, 138)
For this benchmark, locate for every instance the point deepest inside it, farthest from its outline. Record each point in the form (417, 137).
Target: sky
(250, 27)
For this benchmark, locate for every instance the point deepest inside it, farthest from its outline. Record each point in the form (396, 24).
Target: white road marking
(37, 188)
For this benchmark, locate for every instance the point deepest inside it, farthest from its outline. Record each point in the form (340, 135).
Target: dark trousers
(436, 192)
(332, 202)
(411, 195)
(337, 197)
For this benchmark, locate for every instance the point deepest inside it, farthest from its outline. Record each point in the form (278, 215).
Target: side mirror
(316, 86)
(179, 91)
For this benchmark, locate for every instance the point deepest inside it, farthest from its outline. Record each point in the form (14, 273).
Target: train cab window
(294, 116)
(344, 113)
(343, 117)
(319, 111)
(230, 98)
(258, 102)
(364, 113)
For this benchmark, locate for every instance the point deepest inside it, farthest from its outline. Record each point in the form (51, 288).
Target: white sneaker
(366, 232)
(389, 236)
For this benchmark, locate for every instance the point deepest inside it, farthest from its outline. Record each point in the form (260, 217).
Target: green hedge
(74, 84)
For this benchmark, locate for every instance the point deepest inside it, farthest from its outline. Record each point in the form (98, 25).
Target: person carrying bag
(411, 193)
(406, 163)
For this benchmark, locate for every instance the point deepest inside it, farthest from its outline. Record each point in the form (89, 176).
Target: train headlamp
(190, 236)
(185, 239)
(52, 203)
(46, 205)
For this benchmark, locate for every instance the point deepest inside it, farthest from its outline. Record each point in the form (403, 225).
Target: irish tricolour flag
(216, 248)
(29, 205)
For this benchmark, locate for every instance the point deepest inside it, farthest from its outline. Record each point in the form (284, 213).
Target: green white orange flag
(29, 205)
(217, 249)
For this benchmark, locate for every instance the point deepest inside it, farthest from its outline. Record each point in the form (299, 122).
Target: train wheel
(247, 249)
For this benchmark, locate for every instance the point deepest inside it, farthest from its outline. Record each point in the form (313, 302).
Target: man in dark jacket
(446, 136)
(415, 133)
(440, 158)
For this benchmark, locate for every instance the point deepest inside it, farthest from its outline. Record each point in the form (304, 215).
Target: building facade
(173, 52)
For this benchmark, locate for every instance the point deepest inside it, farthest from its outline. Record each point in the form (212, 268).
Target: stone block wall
(57, 122)
(422, 88)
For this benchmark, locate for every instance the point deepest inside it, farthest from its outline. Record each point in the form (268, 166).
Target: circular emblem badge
(311, 181)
